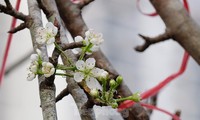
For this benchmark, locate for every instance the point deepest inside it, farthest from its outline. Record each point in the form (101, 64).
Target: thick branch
(71, 15)
(184, 29)
(47, 93)
(152, 40)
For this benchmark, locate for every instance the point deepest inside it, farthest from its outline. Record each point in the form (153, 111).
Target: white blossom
(48, 69)
(93, 37)
(46, 35)
(34, 65)
(87, 71)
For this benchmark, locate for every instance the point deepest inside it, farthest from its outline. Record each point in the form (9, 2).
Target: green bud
(136, 97)
(119, 79)
(114, 105)
(112, 83)
(94, 93)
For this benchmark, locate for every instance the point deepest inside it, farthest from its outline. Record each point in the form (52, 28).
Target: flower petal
(33, 68)
(78, 76)
(49, 25)
(78, 39)
(90, 63)
(80, 65)
(40, 40)
(92, 83)
(34, 57)
(51, 40)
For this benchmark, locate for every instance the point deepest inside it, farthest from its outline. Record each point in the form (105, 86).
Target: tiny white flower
(46, 35)
(31, 76)
(99, 73)
(93, 37)
(48, 69)
(88, 72)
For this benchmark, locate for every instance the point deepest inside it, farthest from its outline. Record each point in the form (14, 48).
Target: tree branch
(11, 11)
(62, 94)
(47, 93)
(73, 88)
(18, 28)
(71, 15)
(152, 40)
(184, 29)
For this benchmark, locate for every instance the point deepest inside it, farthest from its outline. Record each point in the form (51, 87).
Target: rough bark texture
(183, 28)
(71, 15)
(73, 88)
(47, 93)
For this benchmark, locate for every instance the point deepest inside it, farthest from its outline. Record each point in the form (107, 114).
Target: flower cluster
(101, 87)
(87, 71)
(92, 41)
(38, 67)
(46, 35)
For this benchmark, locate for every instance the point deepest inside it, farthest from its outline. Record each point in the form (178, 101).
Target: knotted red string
(157, 88)
(13, 24)
(147, 14)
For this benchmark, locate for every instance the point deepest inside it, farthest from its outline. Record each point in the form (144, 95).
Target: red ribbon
(13, 24)
(128, 104)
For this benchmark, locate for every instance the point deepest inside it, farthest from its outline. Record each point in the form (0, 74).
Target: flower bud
(94, 93)
(114, 105)
(112, 83)
(119, 79)
(136, 97)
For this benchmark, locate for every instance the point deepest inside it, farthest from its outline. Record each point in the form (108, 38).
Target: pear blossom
(92, 40)
(87, 71)
(46, 35)
(47, 69)
(34, 65)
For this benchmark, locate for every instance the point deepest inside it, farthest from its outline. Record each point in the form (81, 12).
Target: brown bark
(183, 28)
(71, 15)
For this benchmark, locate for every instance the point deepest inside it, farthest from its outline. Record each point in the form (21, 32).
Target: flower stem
(62, 67)
(123, 99)
(58, 47)
(64, 74)
(87, 48)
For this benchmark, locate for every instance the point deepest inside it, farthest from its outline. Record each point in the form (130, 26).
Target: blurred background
(120, 22)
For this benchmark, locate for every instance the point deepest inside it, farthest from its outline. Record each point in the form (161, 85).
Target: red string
(128, 104)
(13, 24)
(147, 14)
(158, 87)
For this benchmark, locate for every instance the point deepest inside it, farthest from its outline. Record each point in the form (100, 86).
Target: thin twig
(18, 28)
(72, 45)
(152, 40)
(12, 12)
(8, 4)
(62, 94)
